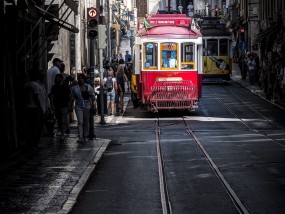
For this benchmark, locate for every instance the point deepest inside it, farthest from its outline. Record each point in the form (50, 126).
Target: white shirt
(51, 73)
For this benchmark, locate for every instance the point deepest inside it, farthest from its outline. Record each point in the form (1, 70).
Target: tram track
(247, 122)
(165, 194)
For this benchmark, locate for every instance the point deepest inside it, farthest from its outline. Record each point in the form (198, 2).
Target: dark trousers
(34, 126)
(91, 127)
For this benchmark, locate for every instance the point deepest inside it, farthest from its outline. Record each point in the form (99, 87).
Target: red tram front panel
(170, 61)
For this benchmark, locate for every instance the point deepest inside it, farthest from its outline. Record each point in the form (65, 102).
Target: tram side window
(224, 47)
(150, 55)
(169, 55)
(187, 55)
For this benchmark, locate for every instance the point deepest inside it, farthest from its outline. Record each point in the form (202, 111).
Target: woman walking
(83, 95)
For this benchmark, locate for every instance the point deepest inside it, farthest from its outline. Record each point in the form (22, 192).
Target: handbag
(93, 110)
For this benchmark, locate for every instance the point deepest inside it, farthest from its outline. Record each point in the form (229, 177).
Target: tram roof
(176, 26)
(169, 32)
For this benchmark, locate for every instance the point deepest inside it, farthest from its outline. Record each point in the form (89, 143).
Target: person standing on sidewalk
(54, 70)
(36, 105)
(51, 73)
(251, 67)
(60, 98)
(110, 84)
(128, 56)
(121, 79)
(90, 81)
(129, 71)
(83, 96)
(264, 77)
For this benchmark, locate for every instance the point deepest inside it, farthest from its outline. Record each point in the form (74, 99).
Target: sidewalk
(236, 77)
(49, 180)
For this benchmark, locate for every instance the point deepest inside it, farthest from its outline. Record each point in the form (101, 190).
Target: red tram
(168, 63)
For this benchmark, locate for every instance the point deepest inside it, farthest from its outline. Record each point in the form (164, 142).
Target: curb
(77, 189)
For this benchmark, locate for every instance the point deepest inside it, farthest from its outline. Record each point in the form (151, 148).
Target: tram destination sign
(169, 22)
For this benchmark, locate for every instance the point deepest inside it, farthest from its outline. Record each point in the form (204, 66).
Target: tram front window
(211, 49)
(169, 55)
(150, 56)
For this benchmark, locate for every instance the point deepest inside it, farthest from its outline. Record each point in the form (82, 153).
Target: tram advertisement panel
(216, 65)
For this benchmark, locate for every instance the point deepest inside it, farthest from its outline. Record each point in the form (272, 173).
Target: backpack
(109, 84)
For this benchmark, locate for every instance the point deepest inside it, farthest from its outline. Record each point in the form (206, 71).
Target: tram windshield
(216, 47)
(173, 56)
(224, 47)
(169, 55)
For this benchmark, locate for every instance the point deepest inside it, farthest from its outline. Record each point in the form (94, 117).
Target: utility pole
(102, 101)
(109, 47)
(78, 42)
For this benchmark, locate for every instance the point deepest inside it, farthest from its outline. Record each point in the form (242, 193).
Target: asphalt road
(237, 163)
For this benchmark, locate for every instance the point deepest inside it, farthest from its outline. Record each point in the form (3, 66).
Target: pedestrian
(264, 77)
(272, 79)
(240, 63)
(257, 68)
(67, 79)
(70, 81)
(128, 56)
(251, 67)
(90, 81)
(121, 78)
(120, 56)
(36, 105)
(60, 97)
(110, 84)
(115, 59)
(51, 72)
(83, 95)
(190, 9)
(129, 71)
(97, 92)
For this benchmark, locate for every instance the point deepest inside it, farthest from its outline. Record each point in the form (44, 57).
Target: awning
(60, 22)
(72, 5)
(120, 22)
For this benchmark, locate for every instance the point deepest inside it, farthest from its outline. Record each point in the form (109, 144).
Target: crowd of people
(56, 100)
(268, 73)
